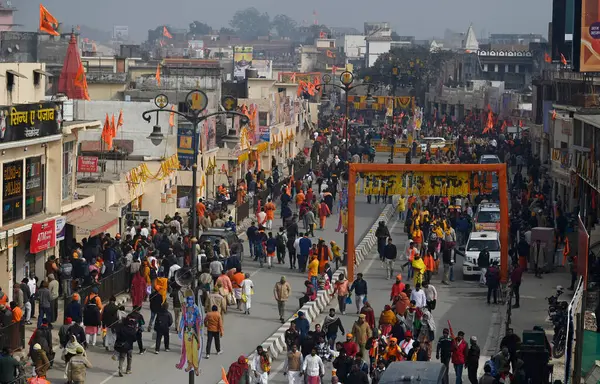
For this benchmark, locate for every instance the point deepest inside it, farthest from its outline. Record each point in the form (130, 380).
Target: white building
(378, 37)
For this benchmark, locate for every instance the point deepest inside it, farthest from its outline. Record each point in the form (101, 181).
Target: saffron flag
(547, 58)
(166, 33)
(172, 117)
(224, 376)
(322, 35)
(554, 114)
(81, 81)
(106, 135)
(330, 54)
(157, 76)
(113, 127)
(120, 120)
(48, 23)
(563, 60)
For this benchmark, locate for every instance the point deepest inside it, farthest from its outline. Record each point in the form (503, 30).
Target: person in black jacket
(382, 233)
(156, 301)
(492, 277)
(421, 353)
(77, 330)
(110, 318)
(389, 254)
(126, 336)
(483, 262)
(91, 320)
(164, 320)
(342, 365)
(357, 376)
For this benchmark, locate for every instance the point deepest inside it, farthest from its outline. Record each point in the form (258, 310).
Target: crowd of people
(152, 253)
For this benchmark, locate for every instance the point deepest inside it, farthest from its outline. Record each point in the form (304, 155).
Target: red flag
(322, 35)
(554, 114)
(520, 123)
(166, 33)
(503, 127)
(334, 69)
(563, 60)
(293, 78)
(451, 330)
(330, 54)
(547, 58)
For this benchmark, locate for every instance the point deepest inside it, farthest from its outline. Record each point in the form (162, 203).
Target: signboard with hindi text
(425, 183)
(12, 191)
(29, 121)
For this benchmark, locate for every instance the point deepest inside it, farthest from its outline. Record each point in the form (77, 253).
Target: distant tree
(250, 23)
(284, 25)
(199, 28)
(226, 31)
(417, 68)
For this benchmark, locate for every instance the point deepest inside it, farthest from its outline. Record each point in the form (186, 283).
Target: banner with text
(425, 183)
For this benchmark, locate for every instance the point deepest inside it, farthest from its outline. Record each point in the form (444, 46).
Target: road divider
(275, 344)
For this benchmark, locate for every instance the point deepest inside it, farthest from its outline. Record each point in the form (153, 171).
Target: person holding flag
(459, 353)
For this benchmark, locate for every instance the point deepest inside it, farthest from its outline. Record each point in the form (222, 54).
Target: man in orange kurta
(200, 208)
(323, 255)
(270, 211)
(299, 198)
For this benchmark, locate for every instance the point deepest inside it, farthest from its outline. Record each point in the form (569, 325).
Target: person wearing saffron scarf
(161, 284)
(239, 372)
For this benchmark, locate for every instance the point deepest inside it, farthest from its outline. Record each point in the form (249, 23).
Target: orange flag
(120, 120)
(563, 60)
(293, 78)
(106, 135)
(157, 76)
(330, 54)
(81, 81)
(224, 376)
(317, 83)
(547, 58)
(554, 114)
(166, 33)
(503, 127)
(301, 88)
(48, 23)
(172, 117)
(113, 127)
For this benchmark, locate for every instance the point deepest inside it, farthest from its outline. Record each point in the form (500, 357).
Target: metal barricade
(13, 336)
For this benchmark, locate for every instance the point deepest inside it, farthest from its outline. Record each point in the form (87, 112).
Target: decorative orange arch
(500, 169)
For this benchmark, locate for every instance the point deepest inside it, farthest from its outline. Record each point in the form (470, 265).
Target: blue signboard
(185, 148)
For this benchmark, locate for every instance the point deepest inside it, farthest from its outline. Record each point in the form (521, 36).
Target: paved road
(242, 333)
(463, 303)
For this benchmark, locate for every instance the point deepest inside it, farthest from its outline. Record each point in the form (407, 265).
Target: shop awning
(93, 221)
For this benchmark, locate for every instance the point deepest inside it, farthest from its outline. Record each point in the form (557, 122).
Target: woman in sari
(138, 289)
(239, 372)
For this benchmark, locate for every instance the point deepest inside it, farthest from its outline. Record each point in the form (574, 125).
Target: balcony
(582, 165)
(71, 204)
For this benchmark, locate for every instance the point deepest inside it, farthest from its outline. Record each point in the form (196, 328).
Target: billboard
(586, 36)
(242, 59)
(264, 68)
(185, 148)
(121, 33)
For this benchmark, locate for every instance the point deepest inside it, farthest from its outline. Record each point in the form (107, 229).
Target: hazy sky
(421, 18)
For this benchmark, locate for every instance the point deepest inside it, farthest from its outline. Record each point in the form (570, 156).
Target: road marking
(110, 378)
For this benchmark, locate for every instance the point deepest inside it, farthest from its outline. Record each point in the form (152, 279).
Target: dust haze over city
(423, 19)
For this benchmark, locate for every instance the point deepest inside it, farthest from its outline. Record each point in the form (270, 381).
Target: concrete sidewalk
(534, 309)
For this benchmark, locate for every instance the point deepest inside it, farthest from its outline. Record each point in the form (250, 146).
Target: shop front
(88, 222)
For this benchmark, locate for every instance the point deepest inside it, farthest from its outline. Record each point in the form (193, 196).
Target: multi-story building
(41, 212)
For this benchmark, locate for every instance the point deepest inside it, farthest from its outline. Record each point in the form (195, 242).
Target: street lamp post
(196, 101)
(346, 79)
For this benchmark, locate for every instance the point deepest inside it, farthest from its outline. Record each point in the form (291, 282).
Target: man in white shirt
(407, 344)
(418, 295)
(313, 368)
(297, 243)
(144, 232)
(430, 294)
(173, 269)
(215, 268)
